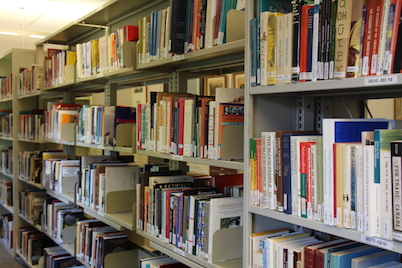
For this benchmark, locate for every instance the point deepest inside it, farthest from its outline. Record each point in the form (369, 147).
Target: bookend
(126, 135)
(235, 25)
(232, 143)
(120, 201)
(68, 132)
(120, 259)
(224, 237)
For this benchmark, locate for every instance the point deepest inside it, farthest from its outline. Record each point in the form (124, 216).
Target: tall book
(396, 168)
(342, 38)
(341, 130)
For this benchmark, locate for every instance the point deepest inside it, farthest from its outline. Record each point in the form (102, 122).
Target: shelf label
(99, 75)
(177, 157)
(381, 80)
(382, 243)
(178, 57)
(179, 251)
(101, 214)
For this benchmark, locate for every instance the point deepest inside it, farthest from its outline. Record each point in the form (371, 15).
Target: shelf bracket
(178, 82)
(110, 94)
(178, 165)
(106, 28)
(305, 113)
(323, 110)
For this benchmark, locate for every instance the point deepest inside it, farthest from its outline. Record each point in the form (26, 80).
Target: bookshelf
(223, 59)
(302, 106)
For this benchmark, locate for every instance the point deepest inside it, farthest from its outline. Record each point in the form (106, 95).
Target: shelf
(109, 148)
(37, 185)
(184, 257)
(70, 143)
(6, 138)
(367, 86)
(8, 208)
(218, 56)
(64, 198)
(195, 160)
(101, 77)
(116, 220)
(32, 95)
(70, 248)
(31, 141)
(6, 99)
(10, 176)
(6, 246)
(102, 16)
(319, 226)
(36, 226)
(25, 261)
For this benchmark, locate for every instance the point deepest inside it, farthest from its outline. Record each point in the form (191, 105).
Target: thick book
(177, 25)
(355, 39)
(396, 167)
(374, 259)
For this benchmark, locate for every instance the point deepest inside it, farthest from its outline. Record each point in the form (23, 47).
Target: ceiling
(21, 19)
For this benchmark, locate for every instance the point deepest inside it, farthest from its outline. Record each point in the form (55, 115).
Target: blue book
(152, 33)
(374, 259)
(310, 31)
(286, 169)
(253, 51)
(342, 259)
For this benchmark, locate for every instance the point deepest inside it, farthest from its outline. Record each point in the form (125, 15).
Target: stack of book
(31, 242)
(108, 53)
(6, 123)
(183, 211)
(99, 124)
(6, 161)
(6, 193)
(6, 87)
(307, 41)
(294, 249)
(31, 125)
(30, 80)
(192, 125)
(7, 229)
(59, 67)
(346, 177)
(183, 27)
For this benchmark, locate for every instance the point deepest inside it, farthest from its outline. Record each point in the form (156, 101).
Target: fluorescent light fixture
(37, 36)
(9, 33)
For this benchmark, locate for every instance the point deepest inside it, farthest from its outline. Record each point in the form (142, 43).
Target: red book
(217, 20)
(222, 181)
(378, 9)
(131, 33)
(303, 42)
(306, 179)
(394, 38)
(196, 24)
(368, 38)
(180, 145)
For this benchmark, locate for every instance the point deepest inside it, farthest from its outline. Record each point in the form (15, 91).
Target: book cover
(396, 162)
(374, 259)
(355, 35)
(177, 25)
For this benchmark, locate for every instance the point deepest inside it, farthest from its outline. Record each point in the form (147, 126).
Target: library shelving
(303, 106)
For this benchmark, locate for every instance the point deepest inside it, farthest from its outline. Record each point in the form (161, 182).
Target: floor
(6, 260)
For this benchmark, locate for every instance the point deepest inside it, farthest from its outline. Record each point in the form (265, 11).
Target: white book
(210, 23)
(225, 212)
(188, 127)
(263, 47)
(295, 169)
(280, 53)
(288, 45)
(211, 130)
(383, 37)
(268, 170)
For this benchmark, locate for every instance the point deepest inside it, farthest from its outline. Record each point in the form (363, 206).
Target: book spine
(334, 10)
(303, 179)
(253, 179)
(296, 10)
(258, 164)
(389, 37)
(384, 26)
(253, 52)
(310, 45)
(378, 10)
(263, 47)
(286, 174)
(343, 23)
(288, 50)
(368, 38)
(395, 37)
(278, 173)
(396, 167)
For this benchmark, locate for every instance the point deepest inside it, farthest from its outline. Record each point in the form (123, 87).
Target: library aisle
(6, 260)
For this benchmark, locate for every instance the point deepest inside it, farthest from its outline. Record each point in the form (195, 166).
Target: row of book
(342, 177)
(99, 175)
(6, 123)
(183, 211)
(193, 125)
(109, 52)
(31, 80)
(30, 204)
(31, 125)
(58, 67)
(6, 161)
(98, 124)
(279, 247)
(160, 262)
(6, 192)
(56, 256)
(308, 41)
(6, 227)
(182, 27)
(6, 87)
(31, 243)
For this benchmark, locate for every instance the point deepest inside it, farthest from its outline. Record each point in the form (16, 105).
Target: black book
(177, 25)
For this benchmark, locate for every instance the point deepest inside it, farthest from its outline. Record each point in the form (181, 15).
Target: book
(382, 175)
(396, 186)
(374, 259)
(344, 257)
(341, 130)
(356, 23)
